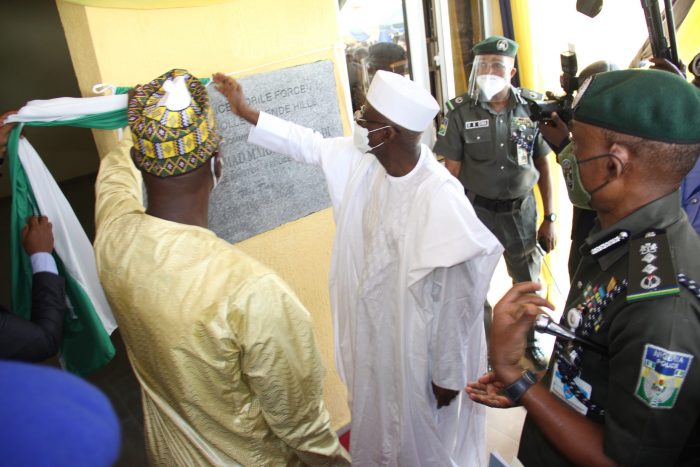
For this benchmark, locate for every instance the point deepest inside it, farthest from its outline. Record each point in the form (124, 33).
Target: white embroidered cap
(177, 96)
(402, 101)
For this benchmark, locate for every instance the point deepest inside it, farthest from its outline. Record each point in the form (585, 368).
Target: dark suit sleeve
(38, 339)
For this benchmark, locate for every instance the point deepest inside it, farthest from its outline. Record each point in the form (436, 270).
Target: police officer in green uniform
(492, 146)
(623, 386)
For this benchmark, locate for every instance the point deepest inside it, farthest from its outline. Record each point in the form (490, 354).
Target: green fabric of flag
(86, 345)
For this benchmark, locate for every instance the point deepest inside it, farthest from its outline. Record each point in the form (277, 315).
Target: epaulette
(651, 273)
(458, 102)
(523, 95)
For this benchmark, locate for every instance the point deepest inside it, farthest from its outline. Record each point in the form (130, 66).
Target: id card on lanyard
(563, 392)
(521, 129)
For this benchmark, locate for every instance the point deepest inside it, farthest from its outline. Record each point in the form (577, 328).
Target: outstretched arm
(233, 92)
(336, 156)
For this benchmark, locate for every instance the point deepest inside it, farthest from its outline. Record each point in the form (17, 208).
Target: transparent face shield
(489, 80)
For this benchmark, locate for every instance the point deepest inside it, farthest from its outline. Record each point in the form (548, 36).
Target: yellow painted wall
(130, 46)
(688, 37)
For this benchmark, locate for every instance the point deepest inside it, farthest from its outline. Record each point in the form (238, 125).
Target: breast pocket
(477, 143)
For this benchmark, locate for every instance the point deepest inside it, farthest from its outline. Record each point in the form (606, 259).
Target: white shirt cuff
(43, 262)
(270, 131)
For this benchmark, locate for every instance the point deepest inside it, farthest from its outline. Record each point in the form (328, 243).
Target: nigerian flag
(86, 346)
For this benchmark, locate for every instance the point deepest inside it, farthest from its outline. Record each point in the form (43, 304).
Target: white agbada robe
(410, 269)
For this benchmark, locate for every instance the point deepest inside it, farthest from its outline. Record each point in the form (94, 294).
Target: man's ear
(621, 158)
(390, 133)
(513, 71)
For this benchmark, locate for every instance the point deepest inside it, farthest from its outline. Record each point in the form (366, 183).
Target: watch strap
(516, 389)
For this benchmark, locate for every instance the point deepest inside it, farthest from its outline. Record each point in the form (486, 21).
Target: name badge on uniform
(563, 392)
(476, 124)
(522, 156)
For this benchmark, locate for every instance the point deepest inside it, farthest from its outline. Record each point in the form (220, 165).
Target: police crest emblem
(443, 126)
(661, 376)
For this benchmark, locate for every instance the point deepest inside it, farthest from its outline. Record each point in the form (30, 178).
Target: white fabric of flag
(86, 346)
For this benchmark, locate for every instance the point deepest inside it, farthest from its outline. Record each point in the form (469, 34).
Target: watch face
(551, 217)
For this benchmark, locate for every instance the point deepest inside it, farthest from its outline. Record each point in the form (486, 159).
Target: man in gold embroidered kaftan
(223, 349)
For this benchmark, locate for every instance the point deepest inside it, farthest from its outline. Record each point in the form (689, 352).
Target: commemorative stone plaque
(261, 190)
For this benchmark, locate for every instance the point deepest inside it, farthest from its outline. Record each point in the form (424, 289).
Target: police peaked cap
(650, 104)
(496, 45)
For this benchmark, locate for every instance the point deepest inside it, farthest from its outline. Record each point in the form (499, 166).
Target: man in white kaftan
(410, 269)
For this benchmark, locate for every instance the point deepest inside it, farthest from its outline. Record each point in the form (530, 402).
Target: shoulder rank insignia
(661, 376)
(456, 102)
(651, 270)
(531, 95)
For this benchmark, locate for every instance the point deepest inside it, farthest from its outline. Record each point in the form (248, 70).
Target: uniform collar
(609, 245)
(515, 92)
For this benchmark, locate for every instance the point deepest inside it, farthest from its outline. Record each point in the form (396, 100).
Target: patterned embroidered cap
(172, 125)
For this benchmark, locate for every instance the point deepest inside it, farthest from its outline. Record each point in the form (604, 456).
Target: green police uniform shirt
(496, 150)
(627, 298)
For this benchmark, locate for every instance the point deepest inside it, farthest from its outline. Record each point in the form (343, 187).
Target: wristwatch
(551, 217)
(515, 390)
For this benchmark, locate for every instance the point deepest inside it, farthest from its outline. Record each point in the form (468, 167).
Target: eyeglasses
(359, 117)
(497, 67)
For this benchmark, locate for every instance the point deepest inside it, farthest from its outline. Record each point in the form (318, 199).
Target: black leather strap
(515, 390)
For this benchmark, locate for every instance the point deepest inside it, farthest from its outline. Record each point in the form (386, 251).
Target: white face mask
(212, 166)
(360, 136)
(490, 85)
